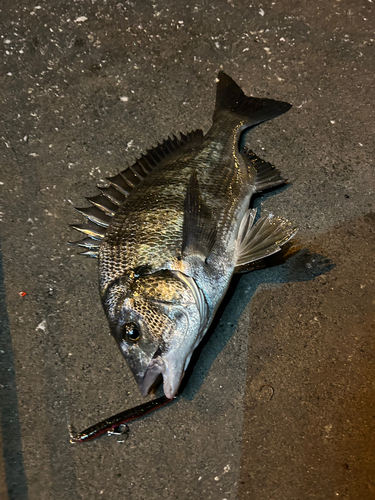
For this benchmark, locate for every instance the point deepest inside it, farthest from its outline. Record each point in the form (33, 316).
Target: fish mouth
(160, 369)
(164, 365)
(151, 379)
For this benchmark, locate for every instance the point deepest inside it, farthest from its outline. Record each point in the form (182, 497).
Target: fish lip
(169, 390)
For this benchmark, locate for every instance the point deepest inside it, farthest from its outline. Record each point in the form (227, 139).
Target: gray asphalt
(280, 401)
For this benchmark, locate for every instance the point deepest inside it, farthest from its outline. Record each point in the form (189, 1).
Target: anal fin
(263, 173)
(266, 237)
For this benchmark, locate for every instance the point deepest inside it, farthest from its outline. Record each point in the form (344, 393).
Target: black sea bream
(172, 229)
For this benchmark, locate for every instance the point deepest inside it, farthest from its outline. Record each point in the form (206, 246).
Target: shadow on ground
(12, 461)
(309, 424)
(292, 265)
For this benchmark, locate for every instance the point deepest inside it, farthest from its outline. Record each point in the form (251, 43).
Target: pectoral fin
(266, 237)
(199, 230)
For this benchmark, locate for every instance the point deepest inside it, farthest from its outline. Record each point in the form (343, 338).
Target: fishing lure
(111, 424)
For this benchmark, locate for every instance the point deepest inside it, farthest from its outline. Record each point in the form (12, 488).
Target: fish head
(157, 321)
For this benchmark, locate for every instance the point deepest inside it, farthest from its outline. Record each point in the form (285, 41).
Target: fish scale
(172, 229)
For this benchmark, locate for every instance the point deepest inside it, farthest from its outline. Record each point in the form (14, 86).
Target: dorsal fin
(106, 204)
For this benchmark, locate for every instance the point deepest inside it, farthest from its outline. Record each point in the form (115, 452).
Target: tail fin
(229, 97)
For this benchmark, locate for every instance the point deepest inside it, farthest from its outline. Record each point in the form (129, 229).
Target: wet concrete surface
(279, 404)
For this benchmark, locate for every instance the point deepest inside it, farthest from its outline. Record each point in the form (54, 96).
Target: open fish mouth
(161, 369)
(151, 379)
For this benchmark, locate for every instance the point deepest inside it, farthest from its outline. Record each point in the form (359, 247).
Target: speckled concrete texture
(280, 400)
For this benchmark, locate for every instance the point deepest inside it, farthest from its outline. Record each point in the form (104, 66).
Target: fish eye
(132, 332)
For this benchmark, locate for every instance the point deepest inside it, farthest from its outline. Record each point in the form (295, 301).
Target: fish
(172, 229)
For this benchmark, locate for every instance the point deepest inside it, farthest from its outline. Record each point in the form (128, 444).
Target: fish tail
(230, 100)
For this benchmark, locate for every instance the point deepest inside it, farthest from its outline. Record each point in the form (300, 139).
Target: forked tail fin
(230, 99)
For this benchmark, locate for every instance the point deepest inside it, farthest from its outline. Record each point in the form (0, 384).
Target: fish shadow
(287, 266)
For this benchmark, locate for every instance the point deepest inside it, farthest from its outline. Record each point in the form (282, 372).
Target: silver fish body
(172, 229)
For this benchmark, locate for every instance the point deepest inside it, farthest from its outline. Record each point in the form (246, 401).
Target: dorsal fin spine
(168, 146)
(126, 180)
(93, 230)
(142, 167)
(104, 206)
(106, 209)
(149, 161)
(106, 192)
(95, 215)
(153, 153)
(120, 189)
(135, 172)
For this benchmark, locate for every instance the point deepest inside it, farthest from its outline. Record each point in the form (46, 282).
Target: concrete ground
(280, 402)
